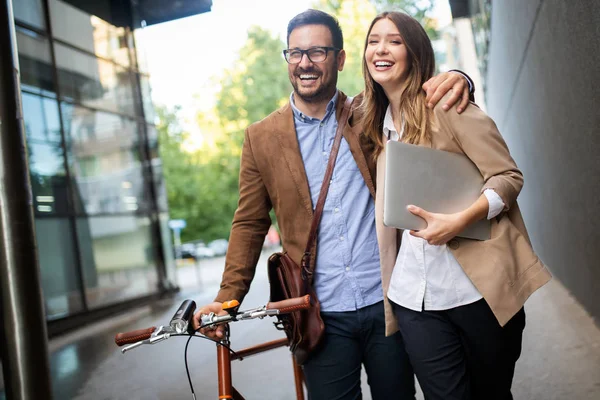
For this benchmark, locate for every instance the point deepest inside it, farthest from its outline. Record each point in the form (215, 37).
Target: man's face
(312, 81)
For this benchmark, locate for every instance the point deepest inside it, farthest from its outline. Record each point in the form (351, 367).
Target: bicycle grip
(290, 305)
(133, 336)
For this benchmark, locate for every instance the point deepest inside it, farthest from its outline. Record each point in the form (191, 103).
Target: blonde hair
(421, 65)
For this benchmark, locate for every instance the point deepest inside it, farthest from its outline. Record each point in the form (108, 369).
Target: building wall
(543, 92)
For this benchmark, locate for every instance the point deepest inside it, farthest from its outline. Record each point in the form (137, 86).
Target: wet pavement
(560, 359)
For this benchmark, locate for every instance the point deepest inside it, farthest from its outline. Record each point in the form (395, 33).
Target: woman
(457, 302)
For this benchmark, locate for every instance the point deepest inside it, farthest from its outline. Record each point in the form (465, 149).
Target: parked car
(203, 251)
(186, 251)
(219, 246)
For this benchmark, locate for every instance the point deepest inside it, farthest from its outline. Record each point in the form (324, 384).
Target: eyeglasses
(314, 54)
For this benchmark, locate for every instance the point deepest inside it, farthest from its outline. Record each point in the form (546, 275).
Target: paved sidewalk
(560, 359)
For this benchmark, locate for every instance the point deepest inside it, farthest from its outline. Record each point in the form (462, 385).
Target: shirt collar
(303, 117)
(388, 125)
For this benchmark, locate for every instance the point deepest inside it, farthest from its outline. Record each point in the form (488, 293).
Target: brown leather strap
(308, 269)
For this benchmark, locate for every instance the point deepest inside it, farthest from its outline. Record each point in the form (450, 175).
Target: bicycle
(180, 326)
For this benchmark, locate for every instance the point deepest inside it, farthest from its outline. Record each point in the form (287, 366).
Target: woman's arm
(478, 137)
(480, 140)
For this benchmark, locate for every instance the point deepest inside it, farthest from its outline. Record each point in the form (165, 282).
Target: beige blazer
(504, 269)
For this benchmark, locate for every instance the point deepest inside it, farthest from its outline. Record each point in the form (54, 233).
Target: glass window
(110, 41)
(46, 155)
(88, 32)
(48, 178)
(41, 118)
(35, 63)
(58, 263)
(30, 11)
(118, 258)
(104, 160)
(94, 82)
(147, 99)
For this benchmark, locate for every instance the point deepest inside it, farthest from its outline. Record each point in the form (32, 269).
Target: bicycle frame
(224, 358)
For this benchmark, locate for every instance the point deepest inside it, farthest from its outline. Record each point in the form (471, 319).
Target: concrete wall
(544, 94)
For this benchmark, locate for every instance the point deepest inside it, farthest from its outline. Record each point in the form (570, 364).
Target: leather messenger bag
(304, 329)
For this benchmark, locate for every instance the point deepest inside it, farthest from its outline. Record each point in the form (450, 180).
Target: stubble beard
(322, 93)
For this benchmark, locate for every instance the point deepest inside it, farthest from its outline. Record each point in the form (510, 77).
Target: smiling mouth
(383, 64)
(308, 77)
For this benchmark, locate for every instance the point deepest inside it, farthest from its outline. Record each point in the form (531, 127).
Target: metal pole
(24, 343)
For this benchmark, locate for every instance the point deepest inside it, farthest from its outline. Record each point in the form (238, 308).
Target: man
(283, 162)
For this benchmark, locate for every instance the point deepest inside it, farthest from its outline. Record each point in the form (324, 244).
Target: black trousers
(462, 353)
(353, 339)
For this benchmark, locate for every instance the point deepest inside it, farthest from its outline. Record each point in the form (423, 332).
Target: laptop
(435, 180)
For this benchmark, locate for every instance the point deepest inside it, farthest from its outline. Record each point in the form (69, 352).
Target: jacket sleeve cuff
(469, 81)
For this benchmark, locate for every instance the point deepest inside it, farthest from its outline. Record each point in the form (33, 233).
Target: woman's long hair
(421, 65)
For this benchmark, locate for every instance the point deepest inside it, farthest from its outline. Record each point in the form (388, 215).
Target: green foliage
(201, 184)
(256, 86)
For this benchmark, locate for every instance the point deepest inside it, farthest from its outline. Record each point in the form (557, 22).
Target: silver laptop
(435, 180)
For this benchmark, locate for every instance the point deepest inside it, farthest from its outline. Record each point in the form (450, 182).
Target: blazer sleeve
(479, 138)
(250, 224)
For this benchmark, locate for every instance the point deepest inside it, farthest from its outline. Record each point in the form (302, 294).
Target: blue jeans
(352, 339)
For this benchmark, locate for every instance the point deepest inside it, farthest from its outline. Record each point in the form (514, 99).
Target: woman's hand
(443, 227)
(440, 227)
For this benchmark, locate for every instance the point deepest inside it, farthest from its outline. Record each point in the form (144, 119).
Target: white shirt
(428, 277)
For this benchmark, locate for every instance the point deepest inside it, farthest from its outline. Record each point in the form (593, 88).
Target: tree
(256, 86)
(201, 184)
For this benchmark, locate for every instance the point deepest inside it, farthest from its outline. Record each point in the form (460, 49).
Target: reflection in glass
(110, 42)
(89, 32)
(118, 258)
(41, 118)
(30, 11)
(104, 161)
(147, 99)
(35, 63)
(94, 82)
(48, 178)
(57, 267)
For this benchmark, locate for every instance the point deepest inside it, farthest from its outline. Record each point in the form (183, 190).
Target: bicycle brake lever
(161, 333)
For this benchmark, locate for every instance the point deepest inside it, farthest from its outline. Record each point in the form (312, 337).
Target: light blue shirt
(347, 273)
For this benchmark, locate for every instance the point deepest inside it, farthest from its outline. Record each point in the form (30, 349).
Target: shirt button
(321, 124)
(347, 268)
(453, 244)
(336, 209)
(324, 153)
(341, 238)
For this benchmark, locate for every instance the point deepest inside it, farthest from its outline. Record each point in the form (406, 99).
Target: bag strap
(306, 269)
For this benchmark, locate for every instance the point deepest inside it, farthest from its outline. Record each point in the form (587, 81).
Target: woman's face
(386, 54)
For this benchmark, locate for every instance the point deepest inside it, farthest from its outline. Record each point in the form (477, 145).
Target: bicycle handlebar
(290, 305)
(156, 334)
(134, 336)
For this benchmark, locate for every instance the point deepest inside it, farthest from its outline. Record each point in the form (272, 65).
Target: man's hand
(441, 84)
(216, 308)
(440, 227)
